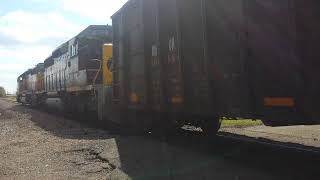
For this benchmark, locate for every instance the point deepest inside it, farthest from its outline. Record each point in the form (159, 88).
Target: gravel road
(38, 145)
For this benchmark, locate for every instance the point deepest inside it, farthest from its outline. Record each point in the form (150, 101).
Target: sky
(31, 29)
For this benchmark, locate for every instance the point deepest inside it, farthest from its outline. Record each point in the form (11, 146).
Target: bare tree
(2, 92)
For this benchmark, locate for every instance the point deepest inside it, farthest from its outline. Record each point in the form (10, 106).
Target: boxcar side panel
(194, 57)
(136, 54)
(119, 66)
(307, 20)
(274, 61)
(152, 61)
(227, 57)
(169, 39)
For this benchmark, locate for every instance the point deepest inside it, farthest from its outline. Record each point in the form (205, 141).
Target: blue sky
(31, 29)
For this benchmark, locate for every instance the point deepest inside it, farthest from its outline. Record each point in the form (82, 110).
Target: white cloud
(27, 38)
(98, 10)
(14, 60)
(13, 67)
(28, 27)
(23, 53)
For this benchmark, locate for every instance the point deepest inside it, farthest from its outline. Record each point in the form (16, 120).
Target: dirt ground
(301, 135)
(38, 145)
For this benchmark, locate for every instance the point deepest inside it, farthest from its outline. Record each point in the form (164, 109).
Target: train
(68, 75)
(167, 63)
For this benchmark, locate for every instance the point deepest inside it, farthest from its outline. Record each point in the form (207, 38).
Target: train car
(281, 51)
(177, 62)
(72, 70)
(31, 85)
(152, 88)
(67, 78)
(259, 55)
(22, 86)
(134, 32)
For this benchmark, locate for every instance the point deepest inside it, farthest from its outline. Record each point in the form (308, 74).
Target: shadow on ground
(185, 156)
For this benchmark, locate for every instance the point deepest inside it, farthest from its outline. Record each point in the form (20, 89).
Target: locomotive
(68, 75)
(176, 62)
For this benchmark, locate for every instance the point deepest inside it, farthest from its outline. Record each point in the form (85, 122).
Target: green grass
(240, 123)
(11, 99)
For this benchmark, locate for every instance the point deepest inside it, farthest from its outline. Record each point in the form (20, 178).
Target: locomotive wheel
(210, 126)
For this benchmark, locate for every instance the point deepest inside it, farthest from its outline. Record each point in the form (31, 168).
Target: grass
(11, 99)
(240, 123)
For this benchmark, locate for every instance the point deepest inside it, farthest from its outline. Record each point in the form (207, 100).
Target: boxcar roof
(121, 9)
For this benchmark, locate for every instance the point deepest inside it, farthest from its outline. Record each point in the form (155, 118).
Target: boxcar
(160, 71)
(134, 34)
(281, 56)
(197, 61)
(259, 55)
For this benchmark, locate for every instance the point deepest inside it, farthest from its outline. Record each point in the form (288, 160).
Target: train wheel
(210, 126)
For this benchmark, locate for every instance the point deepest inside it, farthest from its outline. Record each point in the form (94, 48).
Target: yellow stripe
(107, 73)
(279, 101)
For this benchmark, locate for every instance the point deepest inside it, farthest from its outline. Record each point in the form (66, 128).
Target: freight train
(176, 62)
